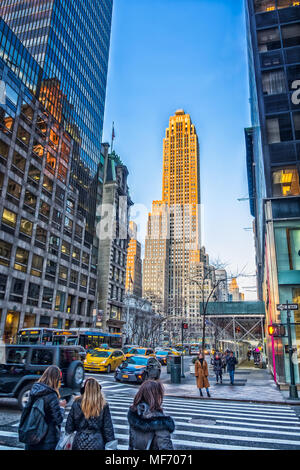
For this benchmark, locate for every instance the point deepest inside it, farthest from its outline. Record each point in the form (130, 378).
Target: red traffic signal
(185, 326)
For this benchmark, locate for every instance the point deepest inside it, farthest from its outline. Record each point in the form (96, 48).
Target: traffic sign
(281, 307)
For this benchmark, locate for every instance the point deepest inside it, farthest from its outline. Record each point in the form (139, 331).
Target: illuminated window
(34, 173)
(65, 247)
(38, 149)
(48, 184)
(9, 217)
(26, 227)
(37, 266)
(45, 209)
(51, 162)
(63, 272)
(21, 260)
(23, 135)
(286, 182)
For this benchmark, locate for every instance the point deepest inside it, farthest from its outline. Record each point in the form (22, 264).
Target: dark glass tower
(273, 162)
(70, 41)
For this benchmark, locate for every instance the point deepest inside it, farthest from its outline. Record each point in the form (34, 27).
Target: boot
(201, 394)
(208, 394)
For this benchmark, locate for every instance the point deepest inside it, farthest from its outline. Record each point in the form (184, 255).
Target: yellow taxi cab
(141, 352)
(174, 352)
(103, 360)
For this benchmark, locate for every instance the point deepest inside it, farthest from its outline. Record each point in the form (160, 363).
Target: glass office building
(70, 41)
(273, 162)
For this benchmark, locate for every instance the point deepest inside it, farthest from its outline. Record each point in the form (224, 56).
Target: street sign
(281, 307)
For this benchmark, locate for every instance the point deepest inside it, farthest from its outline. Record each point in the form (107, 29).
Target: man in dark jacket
(149, 430)
(217, 363)
(54, 415)
(231, 363)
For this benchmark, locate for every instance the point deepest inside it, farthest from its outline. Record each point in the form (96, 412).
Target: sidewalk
(251, 385)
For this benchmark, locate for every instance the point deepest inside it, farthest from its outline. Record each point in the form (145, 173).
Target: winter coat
(92, 433)
(217, 365)
(231, 362)
(149, 426)
(54, 415)
(201, 374)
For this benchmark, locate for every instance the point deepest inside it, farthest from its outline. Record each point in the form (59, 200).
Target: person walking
(149, 427)
(90, 418)
(47, 388)
(249, 354)
(231, 363)
(201, 374)
(218, 367)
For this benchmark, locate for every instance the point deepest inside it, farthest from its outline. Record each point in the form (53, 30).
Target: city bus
(86, 337)
(35, 336)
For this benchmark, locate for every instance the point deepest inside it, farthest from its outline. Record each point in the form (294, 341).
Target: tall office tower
(222, 291)
(70, 41)
(134, 263)
(181, 197)
(273, 161)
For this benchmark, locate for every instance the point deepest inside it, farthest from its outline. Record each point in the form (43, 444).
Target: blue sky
(185, 54)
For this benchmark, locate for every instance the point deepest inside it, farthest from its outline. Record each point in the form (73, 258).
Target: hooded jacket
(54, 414)
(147, 426)
(92, 433)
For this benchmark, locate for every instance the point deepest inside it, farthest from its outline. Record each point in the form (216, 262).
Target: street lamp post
(293, 387)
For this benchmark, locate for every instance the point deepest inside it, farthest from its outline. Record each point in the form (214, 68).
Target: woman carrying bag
(90, 418)
(149, 427)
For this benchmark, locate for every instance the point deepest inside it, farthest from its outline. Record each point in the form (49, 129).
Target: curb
(263, 402)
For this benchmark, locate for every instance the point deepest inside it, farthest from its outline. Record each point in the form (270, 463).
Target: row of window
(270, 5)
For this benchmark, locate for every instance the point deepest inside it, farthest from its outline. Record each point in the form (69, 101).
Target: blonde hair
(51, 377)
(93, 400)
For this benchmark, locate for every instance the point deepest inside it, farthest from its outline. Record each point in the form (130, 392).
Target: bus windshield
(29, 338)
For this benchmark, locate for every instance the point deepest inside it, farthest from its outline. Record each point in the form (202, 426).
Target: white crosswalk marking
(206, 425)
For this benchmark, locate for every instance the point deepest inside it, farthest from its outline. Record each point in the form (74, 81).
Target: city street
(200, 423)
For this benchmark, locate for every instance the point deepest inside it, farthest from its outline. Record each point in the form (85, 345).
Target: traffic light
(185, 326)
(276, 330)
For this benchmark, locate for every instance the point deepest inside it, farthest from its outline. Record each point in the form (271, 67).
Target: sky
(185, 54)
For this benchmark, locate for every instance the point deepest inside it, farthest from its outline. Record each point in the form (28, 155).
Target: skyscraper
(273, 162)
(134, 263)
(70, 41)
(177, 248)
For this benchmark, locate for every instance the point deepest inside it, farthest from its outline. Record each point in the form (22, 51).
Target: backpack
(33, 427)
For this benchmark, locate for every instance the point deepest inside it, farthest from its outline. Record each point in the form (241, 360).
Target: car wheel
(75, 375)
(109, 369)
(23, 396)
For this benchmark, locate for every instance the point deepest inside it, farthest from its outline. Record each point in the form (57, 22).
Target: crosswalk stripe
(229, 421)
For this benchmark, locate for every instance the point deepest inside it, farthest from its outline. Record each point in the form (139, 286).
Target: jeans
(231, 375)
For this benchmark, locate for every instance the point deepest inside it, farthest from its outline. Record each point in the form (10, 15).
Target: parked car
(22, 365)
(141, 351)
(138, 369)
(103, 360)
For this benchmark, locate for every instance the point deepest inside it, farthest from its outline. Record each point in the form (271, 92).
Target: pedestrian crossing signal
(276, 330)
(185, 326)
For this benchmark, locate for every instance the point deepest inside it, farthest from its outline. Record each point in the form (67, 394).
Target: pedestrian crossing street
(205, 424)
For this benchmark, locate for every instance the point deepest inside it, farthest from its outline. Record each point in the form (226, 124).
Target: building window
(41, 235)
(27, 111)
(9, 217)
(74, 277)
(51, 162)
(19, 162)
(291, 35)
(293, 238)
(34, 173)
(4, 149)
(33, 294)
(63, 272)
(268, 39)
(17, 287)
(287, 3)
(296, 118)
(11, 94)
(48, 184)
(6, 122)
(76, 253)
(38, 149)
(23, 135)
(21, 260)
(286, 182)
(37, 265)
(26, 227)
(5, 253)
(30, 199)
(279, 129)
(60, 301)
(273, 82)
(45, 209)
(48, 295)
(83, 280)
(65, 248)
(14, 189)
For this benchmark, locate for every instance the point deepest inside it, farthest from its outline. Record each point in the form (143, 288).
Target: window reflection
(286, 182)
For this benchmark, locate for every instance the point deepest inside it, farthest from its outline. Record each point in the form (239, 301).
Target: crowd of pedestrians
(89, 425)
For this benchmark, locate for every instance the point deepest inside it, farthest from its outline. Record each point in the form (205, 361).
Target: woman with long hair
(149, 427)
(47, 388)
(90, 418)
(201, 374)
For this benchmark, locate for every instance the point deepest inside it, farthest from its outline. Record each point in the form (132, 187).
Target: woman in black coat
(47, 388)
(218, 367)
(90, 418)
(149, 427)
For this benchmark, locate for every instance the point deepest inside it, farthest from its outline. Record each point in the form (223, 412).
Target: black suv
(22, 365)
